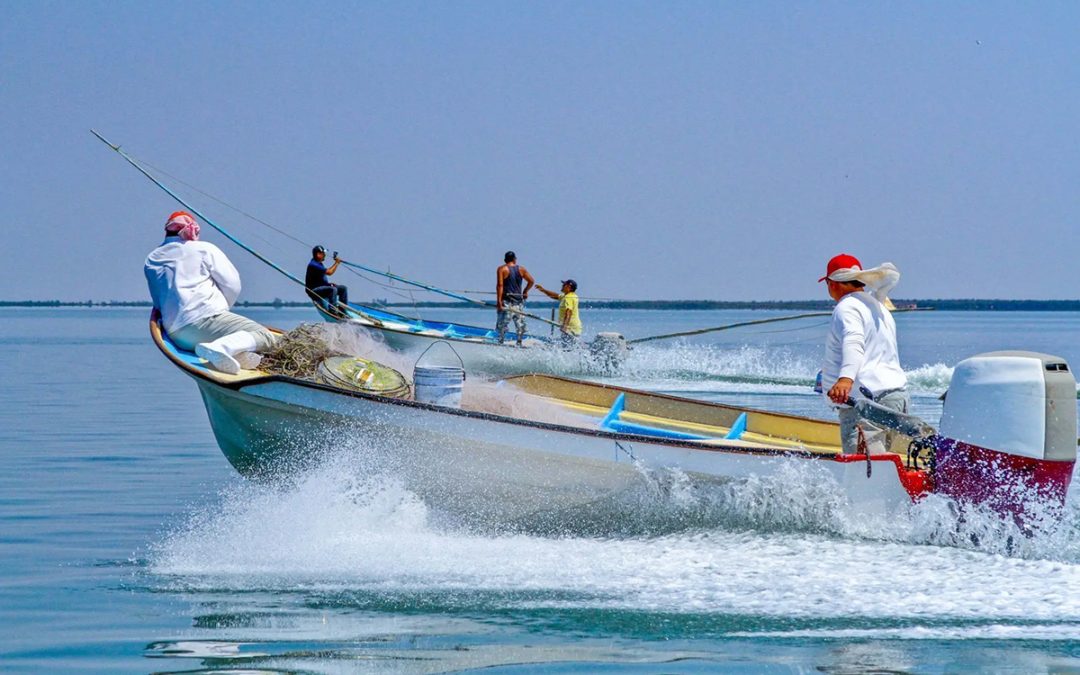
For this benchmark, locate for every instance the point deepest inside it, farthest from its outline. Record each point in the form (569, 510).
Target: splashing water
(748, 367)
(680, 548)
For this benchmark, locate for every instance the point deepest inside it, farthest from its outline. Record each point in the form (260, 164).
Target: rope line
(740, 324)
(130, 160)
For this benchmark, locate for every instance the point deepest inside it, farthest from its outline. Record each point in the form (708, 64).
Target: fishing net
(299, 352)
(310, 352)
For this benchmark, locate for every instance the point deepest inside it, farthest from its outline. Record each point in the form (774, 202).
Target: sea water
(128, 544)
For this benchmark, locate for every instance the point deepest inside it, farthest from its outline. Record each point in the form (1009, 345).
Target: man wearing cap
(317, 279)
(861, 355)
(193, 285)
(569, 317)
(510, 297)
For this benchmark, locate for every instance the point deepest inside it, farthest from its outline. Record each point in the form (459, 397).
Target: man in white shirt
(193, 284)
(861, 356)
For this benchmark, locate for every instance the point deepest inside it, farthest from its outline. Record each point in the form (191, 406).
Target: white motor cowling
(1008, 433)
(1019, 403)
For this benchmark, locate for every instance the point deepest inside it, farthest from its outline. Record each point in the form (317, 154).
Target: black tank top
(512, 285)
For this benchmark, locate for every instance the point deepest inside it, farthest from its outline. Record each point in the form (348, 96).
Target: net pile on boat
(307, 352)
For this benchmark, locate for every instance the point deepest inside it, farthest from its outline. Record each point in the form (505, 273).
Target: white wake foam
(791, 548)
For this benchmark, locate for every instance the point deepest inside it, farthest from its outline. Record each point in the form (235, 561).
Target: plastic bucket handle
(451, 347)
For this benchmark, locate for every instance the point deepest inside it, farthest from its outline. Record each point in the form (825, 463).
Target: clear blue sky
(719, 150)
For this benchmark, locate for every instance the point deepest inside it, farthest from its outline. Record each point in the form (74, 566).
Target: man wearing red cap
(861, 356)
(193, 284)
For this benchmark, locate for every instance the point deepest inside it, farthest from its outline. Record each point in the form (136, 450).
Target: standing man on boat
(861, 354)
(317, 279)
(569, 316)
(193, 284)
(511, 297)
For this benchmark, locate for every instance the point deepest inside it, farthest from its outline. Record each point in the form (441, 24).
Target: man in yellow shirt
(569, 316)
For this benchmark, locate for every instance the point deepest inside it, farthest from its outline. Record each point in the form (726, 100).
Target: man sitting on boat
(569, 317)
(317, 279)
(511, 297)
(193, 284)
(861, 356)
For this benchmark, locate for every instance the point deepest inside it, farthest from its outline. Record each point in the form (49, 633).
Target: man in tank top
(861, 354)
(511, 291)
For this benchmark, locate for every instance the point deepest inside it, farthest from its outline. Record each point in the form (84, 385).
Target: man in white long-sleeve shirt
(861, 354)
(193, 284)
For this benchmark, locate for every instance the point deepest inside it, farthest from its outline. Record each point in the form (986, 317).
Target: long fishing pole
(435, 289)
(208, 221)
(756, 322)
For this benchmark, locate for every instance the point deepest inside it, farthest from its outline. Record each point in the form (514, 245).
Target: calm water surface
(128, 544)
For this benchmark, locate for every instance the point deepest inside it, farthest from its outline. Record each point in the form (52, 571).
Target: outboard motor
(608, 350)
(1008, 432)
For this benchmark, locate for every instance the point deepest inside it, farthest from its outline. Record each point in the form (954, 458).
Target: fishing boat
(536, 447)
(478, 348)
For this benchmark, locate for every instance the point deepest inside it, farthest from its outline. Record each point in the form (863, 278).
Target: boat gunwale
(239, 385)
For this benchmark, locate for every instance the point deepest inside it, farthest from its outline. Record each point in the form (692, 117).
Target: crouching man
(193, 284)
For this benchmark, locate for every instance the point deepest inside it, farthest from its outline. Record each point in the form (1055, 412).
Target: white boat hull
(487, 469)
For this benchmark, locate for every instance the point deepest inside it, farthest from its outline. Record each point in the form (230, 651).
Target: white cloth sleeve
(224, 274)
(852, 343)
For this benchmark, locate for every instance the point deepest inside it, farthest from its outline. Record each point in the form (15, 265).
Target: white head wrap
(878, 280)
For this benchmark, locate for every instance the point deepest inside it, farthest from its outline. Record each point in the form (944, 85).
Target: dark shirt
(512, 285)
(316, 275)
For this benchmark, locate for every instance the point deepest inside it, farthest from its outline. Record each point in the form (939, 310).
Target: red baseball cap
(840, 262)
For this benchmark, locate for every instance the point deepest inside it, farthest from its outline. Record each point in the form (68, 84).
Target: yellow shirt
(568, 302)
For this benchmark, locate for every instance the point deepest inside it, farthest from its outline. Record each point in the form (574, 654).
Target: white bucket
(439, 385)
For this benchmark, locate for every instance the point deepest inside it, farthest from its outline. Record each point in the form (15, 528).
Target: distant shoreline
(976, 305)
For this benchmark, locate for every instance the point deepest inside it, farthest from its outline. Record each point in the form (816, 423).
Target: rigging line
(790, 330)
(281, 231)
(223, 202)
(210, 222)
(581, 297)
(252, 217)
(266, 224)
(434, 289)
(755, 322)
(739, 324)
(207, 220)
